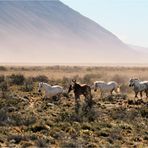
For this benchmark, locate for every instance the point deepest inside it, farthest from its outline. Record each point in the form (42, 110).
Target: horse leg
(90, 101)
(136, 95)
(58, 96)
(117, 90)
(45, 96)
(101, 95)
(111, 92)
(77, 103)
(146, 91)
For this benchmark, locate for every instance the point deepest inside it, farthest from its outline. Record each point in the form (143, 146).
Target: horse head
(132, 81)
(40, 86)
(74, 81)
(73, 86)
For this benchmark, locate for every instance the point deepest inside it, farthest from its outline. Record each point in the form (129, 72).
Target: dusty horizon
(76, 64)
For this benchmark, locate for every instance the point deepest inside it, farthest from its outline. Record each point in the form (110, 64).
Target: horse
(50, 91)
(78, 90)
(103, 86)
(139, 86)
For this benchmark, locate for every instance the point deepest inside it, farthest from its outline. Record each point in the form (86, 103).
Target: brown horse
(84, 90)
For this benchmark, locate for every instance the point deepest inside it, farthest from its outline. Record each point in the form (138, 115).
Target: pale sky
(128, 19)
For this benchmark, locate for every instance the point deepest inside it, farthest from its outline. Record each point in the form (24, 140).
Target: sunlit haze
(73, 31)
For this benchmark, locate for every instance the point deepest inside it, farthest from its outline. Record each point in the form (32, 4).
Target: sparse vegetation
(27, 120)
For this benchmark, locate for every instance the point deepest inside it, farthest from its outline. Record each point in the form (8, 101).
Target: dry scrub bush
(119, 79)
(41, 78)
(90, 78)
(28, 85)
(76, 77)
(66, 82)
(3, 68)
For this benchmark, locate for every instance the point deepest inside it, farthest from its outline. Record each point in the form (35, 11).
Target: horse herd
(85, 90)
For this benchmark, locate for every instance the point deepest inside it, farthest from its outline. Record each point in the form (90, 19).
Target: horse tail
(94, 86)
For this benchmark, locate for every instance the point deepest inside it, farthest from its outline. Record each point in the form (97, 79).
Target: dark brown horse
(84, 90)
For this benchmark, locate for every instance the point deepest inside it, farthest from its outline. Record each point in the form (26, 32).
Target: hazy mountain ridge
(139, 48)
(48, 31)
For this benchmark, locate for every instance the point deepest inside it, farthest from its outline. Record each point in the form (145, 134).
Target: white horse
(50, 91)
(139, 86)
(103, 87)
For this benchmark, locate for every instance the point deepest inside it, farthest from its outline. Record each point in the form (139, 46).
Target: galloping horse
(139, 86)
(103, 86)
(84, 90)
(50, 91)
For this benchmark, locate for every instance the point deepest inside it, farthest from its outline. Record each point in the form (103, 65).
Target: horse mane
(81, 85)
(45, 84)
(99, 82)
(134, 79)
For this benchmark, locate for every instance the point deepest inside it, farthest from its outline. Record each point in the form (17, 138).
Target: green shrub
(41, 143)
(26, 144)
(19, 120)
(3, 86)
(92, 145)
(87, 126)
(144, 112)
(17, 79)
(103, 134)
(38, 128)
(3, 116)
(16, 138)
(2, 78)
(69, 144)
(3, 68)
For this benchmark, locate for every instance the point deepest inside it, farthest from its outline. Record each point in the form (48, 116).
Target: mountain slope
(49, 31)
